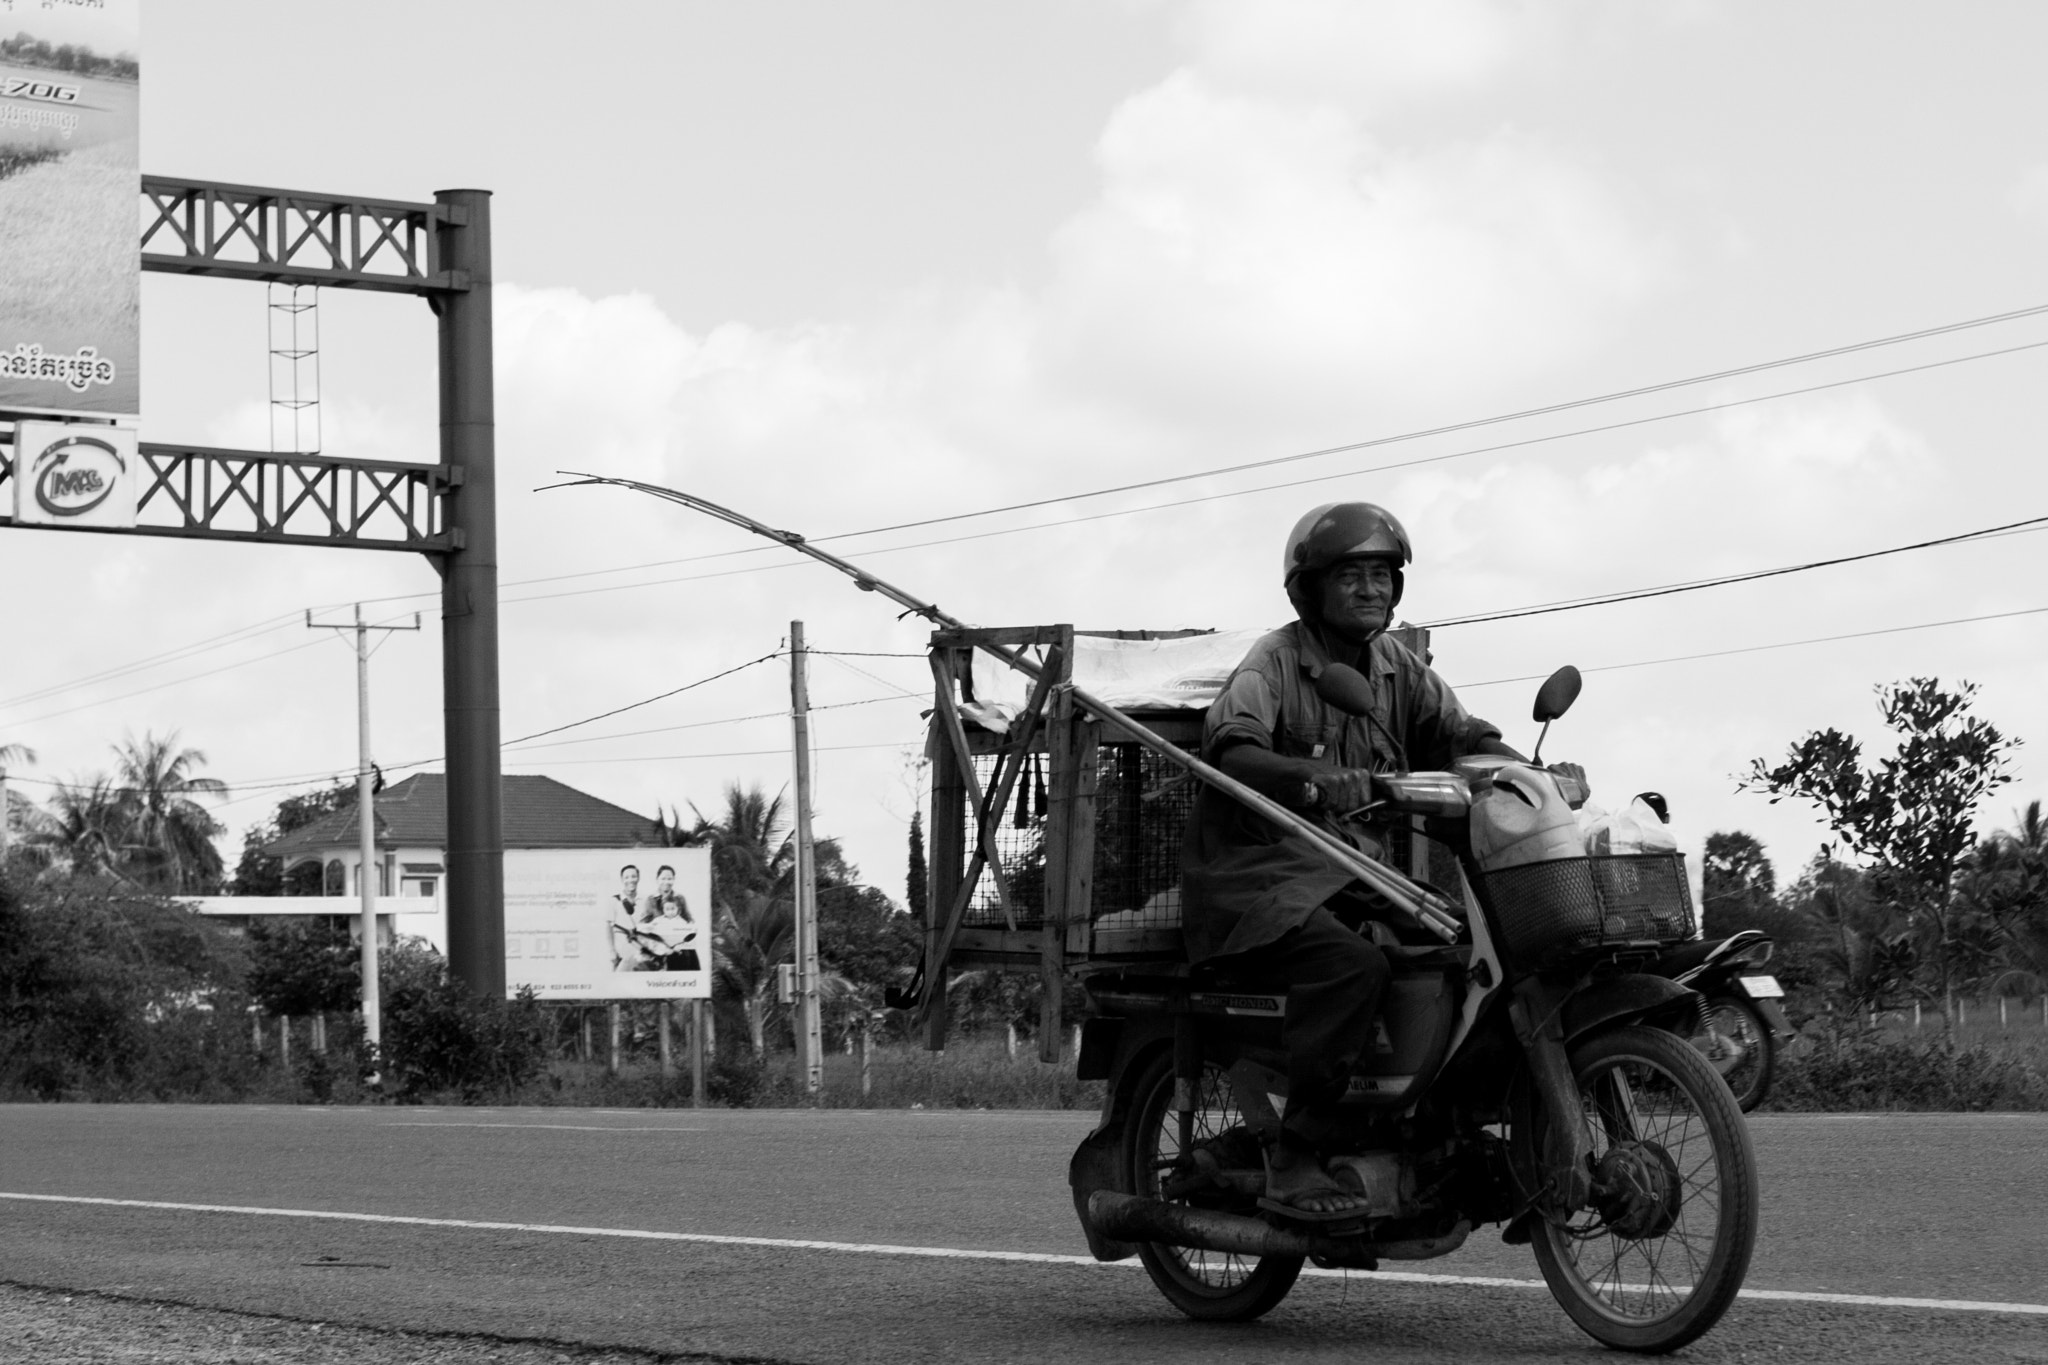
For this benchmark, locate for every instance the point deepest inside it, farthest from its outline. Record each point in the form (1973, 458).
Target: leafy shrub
(108, 993)
(1853, 1070)
(439, 1037)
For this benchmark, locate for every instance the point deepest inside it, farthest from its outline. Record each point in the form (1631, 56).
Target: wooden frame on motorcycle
(1066, 725)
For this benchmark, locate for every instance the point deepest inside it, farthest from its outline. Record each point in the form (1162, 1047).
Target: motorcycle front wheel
(1662, 1251)
(1214, 1286)
(1738, 1044)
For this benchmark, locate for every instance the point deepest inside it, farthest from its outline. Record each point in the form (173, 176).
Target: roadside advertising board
(608, 923)
(71, 270)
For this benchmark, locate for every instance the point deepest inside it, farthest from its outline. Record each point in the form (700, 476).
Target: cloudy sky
(855, 265)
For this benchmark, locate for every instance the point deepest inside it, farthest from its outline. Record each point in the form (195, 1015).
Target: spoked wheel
(1737, 1043)
(1661, 1253)
(1215, 1286)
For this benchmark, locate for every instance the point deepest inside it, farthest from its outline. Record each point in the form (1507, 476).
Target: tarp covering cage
(1055, 841)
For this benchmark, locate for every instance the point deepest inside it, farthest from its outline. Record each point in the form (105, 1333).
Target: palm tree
(85, 829)
(170, 835)
(11, 754)
(753, 938)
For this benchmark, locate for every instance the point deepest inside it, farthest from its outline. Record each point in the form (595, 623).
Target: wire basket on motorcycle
(1554, 911)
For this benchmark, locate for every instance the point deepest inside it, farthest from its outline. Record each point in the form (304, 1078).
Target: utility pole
(810, 1041)
(366, 818)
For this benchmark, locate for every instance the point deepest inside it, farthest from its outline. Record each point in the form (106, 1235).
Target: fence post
(2001, 1012)
(866, 1057)
(612, 1052)
(1916, 1016)
(284, 1040)
(668, 1060)
(697, 1053)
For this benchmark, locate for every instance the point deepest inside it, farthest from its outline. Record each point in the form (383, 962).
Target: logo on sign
(76, 474)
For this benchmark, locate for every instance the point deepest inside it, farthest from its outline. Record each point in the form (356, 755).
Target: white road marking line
(565, 1127)
(952, 1253)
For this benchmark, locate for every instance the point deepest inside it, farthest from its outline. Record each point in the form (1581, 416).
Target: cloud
(1363, 55)
(2028, 193)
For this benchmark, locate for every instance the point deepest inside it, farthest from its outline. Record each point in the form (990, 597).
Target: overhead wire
(1759, 649)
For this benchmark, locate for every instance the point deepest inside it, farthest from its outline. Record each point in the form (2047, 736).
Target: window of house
(337, 878)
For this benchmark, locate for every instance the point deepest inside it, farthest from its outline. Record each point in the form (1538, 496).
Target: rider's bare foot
(1298, 1181)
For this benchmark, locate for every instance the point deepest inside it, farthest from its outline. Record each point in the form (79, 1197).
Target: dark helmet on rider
(1338, 531)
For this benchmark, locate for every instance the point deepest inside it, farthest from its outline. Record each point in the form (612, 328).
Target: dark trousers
(1334, 980)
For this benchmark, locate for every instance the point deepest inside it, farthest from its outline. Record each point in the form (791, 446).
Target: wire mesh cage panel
(1141, 803)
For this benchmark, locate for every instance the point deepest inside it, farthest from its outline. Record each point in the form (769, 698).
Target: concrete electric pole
(809, 1033)
(366, 818)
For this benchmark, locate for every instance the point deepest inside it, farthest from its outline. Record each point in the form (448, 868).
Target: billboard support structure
(447, 510)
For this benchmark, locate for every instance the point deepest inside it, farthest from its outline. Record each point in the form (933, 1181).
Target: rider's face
(1358, 596)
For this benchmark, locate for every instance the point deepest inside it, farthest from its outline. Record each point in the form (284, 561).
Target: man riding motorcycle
(1261, 906)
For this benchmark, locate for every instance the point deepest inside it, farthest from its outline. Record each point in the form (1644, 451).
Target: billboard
(608, 923)
(72, 474)
(71, 273)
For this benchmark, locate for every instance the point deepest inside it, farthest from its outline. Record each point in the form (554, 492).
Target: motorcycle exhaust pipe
(1130, 1218)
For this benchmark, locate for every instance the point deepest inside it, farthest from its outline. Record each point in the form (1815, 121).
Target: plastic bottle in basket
(1523, 819)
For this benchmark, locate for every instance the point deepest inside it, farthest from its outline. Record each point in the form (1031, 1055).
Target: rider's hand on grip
(1571, 783)
(1340, 791)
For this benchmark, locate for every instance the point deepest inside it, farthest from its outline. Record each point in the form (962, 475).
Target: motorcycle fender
(1099, 1038)
(1096, 1166)
(1774, 1017)
(1655, 1000)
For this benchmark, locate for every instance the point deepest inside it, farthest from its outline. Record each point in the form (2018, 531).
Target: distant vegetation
(24, 49)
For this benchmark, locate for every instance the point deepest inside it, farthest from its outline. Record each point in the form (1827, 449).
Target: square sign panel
(608, 923)
(75, 474)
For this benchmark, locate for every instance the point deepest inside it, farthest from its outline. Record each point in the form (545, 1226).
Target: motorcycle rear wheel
(1652, 1272)
(1749, 1072)
(1211, 1286)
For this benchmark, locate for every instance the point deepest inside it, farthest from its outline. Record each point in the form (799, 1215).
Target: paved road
(1914, 1206)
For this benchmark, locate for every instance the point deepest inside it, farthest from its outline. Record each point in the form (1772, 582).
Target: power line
(724, 720)
(1271, 487)
(1370, 443)
(736, 753)
(211, 642)
(1783, 644)
(258, 628)
(1695, 585)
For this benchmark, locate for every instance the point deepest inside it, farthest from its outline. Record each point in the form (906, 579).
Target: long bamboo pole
(1427, 908)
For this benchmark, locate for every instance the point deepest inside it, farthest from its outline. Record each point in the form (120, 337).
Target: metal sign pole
(469, 599)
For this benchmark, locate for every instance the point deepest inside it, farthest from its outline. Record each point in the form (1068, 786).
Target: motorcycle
(1744, 1022)
(1532, 1071)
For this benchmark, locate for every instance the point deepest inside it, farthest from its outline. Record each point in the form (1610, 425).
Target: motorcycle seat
(1686, 956)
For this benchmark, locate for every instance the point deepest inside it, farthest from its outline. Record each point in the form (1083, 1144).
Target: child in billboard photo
(665, 929)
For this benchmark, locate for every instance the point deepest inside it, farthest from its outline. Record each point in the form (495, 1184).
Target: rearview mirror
(1557, 694)
(1345, 688)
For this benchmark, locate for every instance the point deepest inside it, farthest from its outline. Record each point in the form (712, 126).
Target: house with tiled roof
(410, 819)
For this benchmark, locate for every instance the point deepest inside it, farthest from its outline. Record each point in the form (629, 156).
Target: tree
(258, 873)
(2005, 882)
(754, 937)
(1861, 948)
(1738, 886)
(1910, 815)
(169, 835)
(86, 830)
(308, 967)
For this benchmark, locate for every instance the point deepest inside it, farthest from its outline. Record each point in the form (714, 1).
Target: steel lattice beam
(198, 227)
(200, 492)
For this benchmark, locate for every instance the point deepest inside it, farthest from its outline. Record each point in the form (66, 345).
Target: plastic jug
(1521, 819)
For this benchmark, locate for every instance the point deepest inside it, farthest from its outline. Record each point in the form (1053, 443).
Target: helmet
(1339, 531)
